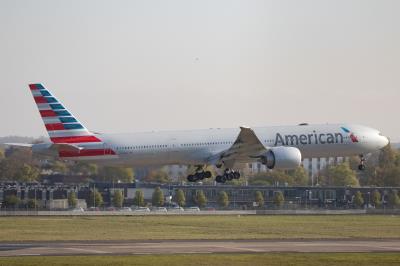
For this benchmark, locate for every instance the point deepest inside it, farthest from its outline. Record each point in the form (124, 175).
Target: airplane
(277, 147)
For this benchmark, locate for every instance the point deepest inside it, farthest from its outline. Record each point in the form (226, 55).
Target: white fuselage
(195, 147)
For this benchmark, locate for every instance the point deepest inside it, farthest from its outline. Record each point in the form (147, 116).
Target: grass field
(197, 227)
(342, 259)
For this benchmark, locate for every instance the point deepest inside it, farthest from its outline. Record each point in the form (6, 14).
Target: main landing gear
(227, 176)
(199, 175)
(361, 166)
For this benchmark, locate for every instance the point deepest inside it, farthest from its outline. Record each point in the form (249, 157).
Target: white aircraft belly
(188, 157)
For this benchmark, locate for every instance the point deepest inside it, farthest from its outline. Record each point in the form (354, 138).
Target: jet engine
(281, 158)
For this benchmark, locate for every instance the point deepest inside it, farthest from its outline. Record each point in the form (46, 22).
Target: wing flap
(246, 148)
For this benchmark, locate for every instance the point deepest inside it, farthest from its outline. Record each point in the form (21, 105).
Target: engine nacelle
(282, 158)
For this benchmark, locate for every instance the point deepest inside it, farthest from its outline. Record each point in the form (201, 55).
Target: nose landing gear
(361, 166)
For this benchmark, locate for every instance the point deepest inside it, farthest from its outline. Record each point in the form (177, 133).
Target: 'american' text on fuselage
(305, 139)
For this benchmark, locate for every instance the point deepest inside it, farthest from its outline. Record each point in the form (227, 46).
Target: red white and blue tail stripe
(64, 128)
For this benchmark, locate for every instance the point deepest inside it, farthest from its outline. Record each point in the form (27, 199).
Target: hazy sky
(127, 66)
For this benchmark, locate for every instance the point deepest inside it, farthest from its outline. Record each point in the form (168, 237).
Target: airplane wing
(246, 148)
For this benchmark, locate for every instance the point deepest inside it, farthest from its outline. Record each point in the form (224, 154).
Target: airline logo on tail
(353, 137)
(63, 127)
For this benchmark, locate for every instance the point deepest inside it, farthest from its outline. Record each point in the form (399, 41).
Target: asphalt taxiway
(193, 247)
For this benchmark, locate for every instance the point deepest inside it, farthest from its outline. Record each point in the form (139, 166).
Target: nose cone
(383, 141)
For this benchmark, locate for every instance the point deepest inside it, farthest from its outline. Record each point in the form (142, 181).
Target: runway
(193, 247)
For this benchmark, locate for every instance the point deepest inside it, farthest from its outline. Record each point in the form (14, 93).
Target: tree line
(200, 199)
(21, 166)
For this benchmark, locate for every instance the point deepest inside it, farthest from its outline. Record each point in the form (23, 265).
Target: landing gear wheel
(199, 176)
(220, 179)
(223, 179)
(191, 178)
(229, 176)
(236, 175)
(207, 174)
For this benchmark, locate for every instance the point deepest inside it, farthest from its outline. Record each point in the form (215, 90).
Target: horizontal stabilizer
(19, 145)
(66, 147)
(41, 147)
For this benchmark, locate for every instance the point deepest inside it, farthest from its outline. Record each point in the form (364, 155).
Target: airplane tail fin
(60, 124)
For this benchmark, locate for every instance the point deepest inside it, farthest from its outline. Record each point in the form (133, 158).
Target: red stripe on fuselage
(47, 113)
(75, 139)
(58, 126)
(40, 99)
(84, 153)
(33, 87)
